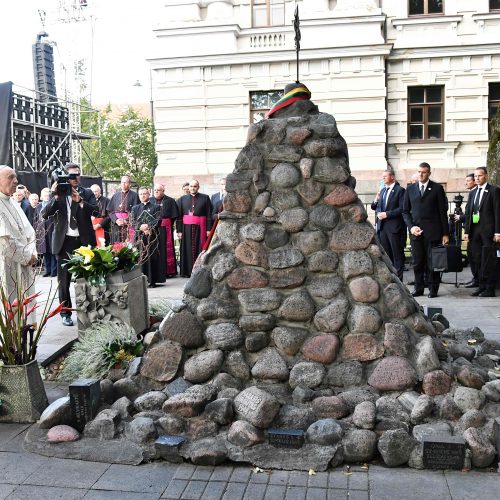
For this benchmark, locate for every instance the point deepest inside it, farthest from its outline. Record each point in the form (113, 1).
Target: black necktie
(72, 217)
(384, 199)
(422, 190)
(475, 208)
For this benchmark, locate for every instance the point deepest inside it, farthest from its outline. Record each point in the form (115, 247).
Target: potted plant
(21, 386)
(109, 286)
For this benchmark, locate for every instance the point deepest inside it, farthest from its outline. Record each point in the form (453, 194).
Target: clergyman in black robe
(193, 225)
(167, 263)
(145, 219)
(119, 210)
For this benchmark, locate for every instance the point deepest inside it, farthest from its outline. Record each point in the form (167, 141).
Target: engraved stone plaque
(443, 452)
(84, 396)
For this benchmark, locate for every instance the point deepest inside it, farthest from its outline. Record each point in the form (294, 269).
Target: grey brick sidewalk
(27, 476)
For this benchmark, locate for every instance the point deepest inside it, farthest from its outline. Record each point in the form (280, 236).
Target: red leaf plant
(19, 330)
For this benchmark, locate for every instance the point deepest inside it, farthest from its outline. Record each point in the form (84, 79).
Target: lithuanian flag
(296, 94)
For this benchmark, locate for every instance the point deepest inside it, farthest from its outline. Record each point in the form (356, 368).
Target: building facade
(407, 81)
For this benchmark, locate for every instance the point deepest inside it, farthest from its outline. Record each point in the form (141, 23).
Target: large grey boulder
(141, 430)
(359, 445)
(395, 447)
(256, 406)
(324, 432)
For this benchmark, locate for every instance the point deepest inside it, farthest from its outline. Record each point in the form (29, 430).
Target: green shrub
(99, 348)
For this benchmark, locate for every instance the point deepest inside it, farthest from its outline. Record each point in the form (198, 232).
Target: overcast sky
(119, 31)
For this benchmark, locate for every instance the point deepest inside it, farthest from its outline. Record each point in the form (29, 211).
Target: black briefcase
(447, 259)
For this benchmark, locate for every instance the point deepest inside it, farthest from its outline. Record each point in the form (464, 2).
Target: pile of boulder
(296, 346)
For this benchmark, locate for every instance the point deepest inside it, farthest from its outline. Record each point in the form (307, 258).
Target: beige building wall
(358, 58)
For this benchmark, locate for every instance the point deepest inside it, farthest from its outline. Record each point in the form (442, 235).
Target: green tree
(126, 146)
(493, 161)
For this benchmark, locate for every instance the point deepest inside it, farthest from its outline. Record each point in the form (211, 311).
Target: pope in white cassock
(17, 239)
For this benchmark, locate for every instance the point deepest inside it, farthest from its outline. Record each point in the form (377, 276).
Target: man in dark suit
(391, 229)
(217, 199)
(72, 229)
(425, 214)
(482, 229)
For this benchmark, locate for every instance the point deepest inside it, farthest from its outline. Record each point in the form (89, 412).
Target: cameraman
(72, 207)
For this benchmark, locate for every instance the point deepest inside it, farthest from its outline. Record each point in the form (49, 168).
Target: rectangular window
(425, 114)
(261, 102)
(424, 7)
(493, 101)
(494, 4)
(268, 13)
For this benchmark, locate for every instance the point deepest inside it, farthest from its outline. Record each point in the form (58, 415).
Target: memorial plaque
(286, 438)
(84, 397)
(430, 311)
(167, 447)
(443, 452)
(248, 404)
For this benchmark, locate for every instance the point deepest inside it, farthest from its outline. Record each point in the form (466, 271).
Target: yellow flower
(121, 354)
(86, 253)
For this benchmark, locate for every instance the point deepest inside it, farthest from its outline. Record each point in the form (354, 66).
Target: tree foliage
(126, 146)
(493, 161)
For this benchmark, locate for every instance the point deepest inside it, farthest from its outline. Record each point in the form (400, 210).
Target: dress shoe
(417, 293)
(152, 285)
(478, 292)
(432, 295)
(46, 275)
(487, 293)
(67, 321)
(54, 275)
(471, 284)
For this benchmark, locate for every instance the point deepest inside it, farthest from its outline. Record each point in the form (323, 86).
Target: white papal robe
(17, 246)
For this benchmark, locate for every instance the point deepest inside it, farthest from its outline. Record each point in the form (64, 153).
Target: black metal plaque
(286, 438)
(443, 452)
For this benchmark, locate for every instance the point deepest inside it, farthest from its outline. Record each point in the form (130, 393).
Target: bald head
(96, 189)
(8, 180)
(159, 191)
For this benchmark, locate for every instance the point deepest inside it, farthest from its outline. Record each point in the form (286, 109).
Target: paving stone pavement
(28, 476)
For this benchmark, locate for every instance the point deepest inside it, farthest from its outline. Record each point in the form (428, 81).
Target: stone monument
(294, 321)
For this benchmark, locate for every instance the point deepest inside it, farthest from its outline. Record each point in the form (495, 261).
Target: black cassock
(147, 213)
(121, 203)
(195, 217)
(167, 263)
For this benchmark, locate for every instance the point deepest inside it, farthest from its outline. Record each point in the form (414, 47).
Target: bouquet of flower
(94, 264)
(19, 332)
(125, 255)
